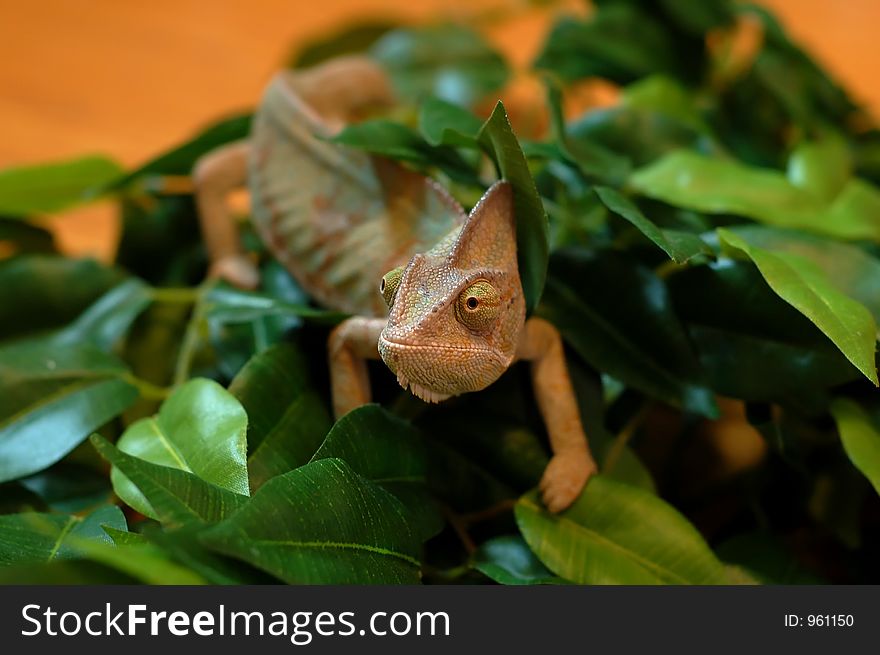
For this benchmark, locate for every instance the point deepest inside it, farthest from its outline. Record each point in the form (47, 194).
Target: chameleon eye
(478, 306)
(390, 282)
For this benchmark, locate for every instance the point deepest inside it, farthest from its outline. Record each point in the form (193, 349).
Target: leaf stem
(147, 389)
(183, 295)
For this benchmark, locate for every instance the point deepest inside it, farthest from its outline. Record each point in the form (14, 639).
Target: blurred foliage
(711, 260)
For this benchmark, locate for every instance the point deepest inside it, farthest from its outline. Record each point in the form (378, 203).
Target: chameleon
(433, 291)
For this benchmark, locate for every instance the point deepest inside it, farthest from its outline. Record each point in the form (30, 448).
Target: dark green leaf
(616, 534)
(389, 451)
(225, 304)
(108, 319)
(49, 188)
(287, 420)
(349, 40)
(323, 524)
(24, 238)
(178, 497)
(680, 246)
(509, 561)
(767, 558)
(497, 138)
(752, 344)
(40, 381)
(452, 62)
(200, 429)
(448, 124)
(640, 341)
(32, 537)
(39, 292)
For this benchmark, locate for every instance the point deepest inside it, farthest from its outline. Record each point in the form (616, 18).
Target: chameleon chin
(449, 313)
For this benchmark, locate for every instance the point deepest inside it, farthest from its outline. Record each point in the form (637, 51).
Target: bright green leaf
(821, 167)
(802, 284)
(717, 186)
(860, 435)
(177, 497)
(200, 429)
(616, 534)
(48, 188)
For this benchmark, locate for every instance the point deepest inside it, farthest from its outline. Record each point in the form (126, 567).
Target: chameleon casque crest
(434, 292)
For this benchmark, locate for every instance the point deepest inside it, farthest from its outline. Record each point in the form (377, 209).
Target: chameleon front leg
(571, 464)
(216, 175)
(351, 343)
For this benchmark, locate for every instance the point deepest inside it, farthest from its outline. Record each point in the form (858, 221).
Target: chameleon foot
(236, 269)
(564, 479)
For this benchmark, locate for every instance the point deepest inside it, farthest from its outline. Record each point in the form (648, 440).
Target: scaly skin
(338, 219)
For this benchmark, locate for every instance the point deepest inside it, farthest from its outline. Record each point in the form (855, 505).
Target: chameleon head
(457, 311)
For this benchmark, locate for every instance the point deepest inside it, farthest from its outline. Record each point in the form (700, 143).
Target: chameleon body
(435, 292)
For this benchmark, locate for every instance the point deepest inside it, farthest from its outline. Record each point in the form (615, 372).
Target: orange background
(130, 79)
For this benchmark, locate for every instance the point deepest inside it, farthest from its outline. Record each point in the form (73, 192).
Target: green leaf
(532, 244)
(200, 429)
(177, 497)
(39, 292)
(716, 186)
(44, 418)
(448, 124)
(25, 238)
(108, 319)
(752, 344)
(143, 562)
(616, 534)
(388, 451)
(184, 546)
(180, 160)
(802, 284)
(70, 487)
(287, 419)
(32, 537)
(452, 62)
(666, 96)
(322, 524)
(640, 342)
(850, 269)
(860, 435)
(509, 561)
(680, 246)
(766, 557)
(49, 188)
(399, 142)
(619, 43)
(225, 304)
(350, 39)
(821, 167)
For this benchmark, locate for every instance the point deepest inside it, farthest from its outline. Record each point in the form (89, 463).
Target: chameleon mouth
(419, 391)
